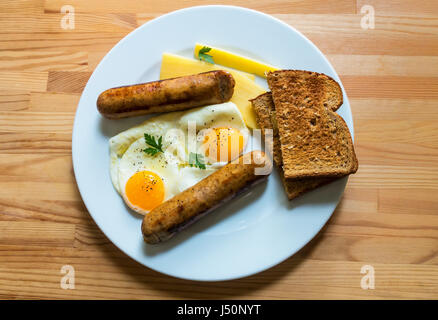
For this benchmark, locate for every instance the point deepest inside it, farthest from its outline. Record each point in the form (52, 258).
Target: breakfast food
(265, 113)
(173, 65)
(232, 60)
(151, 162)
(167, 95)
(315, 141)
(174, 215)
(177, 167)
(244, 90)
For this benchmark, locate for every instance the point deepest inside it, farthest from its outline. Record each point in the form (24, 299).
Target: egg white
(127, 156)
(225, 115)
(120, 143)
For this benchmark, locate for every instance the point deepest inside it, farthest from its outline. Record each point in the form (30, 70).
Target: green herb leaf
(202, 54)
(155, 146)
(196, 160)
(151, 151)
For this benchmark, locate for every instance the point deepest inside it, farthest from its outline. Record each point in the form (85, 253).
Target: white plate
(251, 233)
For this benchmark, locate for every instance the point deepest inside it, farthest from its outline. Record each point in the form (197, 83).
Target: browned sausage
(182, 210)
(167, 95)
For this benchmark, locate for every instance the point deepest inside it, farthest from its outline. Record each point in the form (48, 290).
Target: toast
(315, 141)
(265, 114)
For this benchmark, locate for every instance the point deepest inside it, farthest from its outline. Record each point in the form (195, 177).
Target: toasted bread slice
(315, 141)
(265, 114)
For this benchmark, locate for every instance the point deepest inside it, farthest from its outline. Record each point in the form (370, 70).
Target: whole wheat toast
(315, 141)
(265, 114)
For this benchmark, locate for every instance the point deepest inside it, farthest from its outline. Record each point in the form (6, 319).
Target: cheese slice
(232, 60)
(244, 89)
(176, 66)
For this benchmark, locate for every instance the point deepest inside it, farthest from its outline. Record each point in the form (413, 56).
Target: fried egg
(212, 135)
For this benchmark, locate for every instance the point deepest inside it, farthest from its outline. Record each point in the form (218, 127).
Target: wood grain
(43, 234)
(376, 65)
(67, 81)
(392, 36)
(274, 6)
(387, 218)
(50, 22)
(405, 7)
(23, 81)
(43, 60)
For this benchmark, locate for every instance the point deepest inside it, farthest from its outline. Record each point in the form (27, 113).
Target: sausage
(179, 212)
(167, 95)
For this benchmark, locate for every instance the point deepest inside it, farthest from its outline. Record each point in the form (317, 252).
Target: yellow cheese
(245, 88)
(231, 60)
(177, 66)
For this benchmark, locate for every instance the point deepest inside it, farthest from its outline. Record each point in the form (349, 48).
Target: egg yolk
(223, 144)
(145, 190)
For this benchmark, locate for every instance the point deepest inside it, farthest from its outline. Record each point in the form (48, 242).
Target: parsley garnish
(196, 160)
(155, 146)
(202, 54)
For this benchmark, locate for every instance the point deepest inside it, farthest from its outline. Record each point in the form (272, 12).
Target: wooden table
(387, 219)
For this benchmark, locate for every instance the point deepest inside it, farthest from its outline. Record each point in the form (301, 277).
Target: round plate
(247, 235)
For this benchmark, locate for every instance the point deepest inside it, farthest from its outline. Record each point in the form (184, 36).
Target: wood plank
(342, 24)
(95, 56)
(393, 177)
(14, 100)
(405, 7)
(38, 190)
(292, 279)
(391, 87)
(337, 34)
(35, 142)
(17, 6)
(67, 81)
(348, 221)
(71, 211)
(391, 108)
(131, 6)
(407, 139)
(47, 174)
(53, 102)
(28, 60)
(52, 173)
(372, 249)
(36, 167)
(96, 44)
(13, 121)
(342, 33)
(397, 154)
(51, 22)
(88, 234)
(73, 41)
(418, 201)
(37, 233)
(23, 81)
(393, 35)
(357, 200)
(402, 131)
(383, 65)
